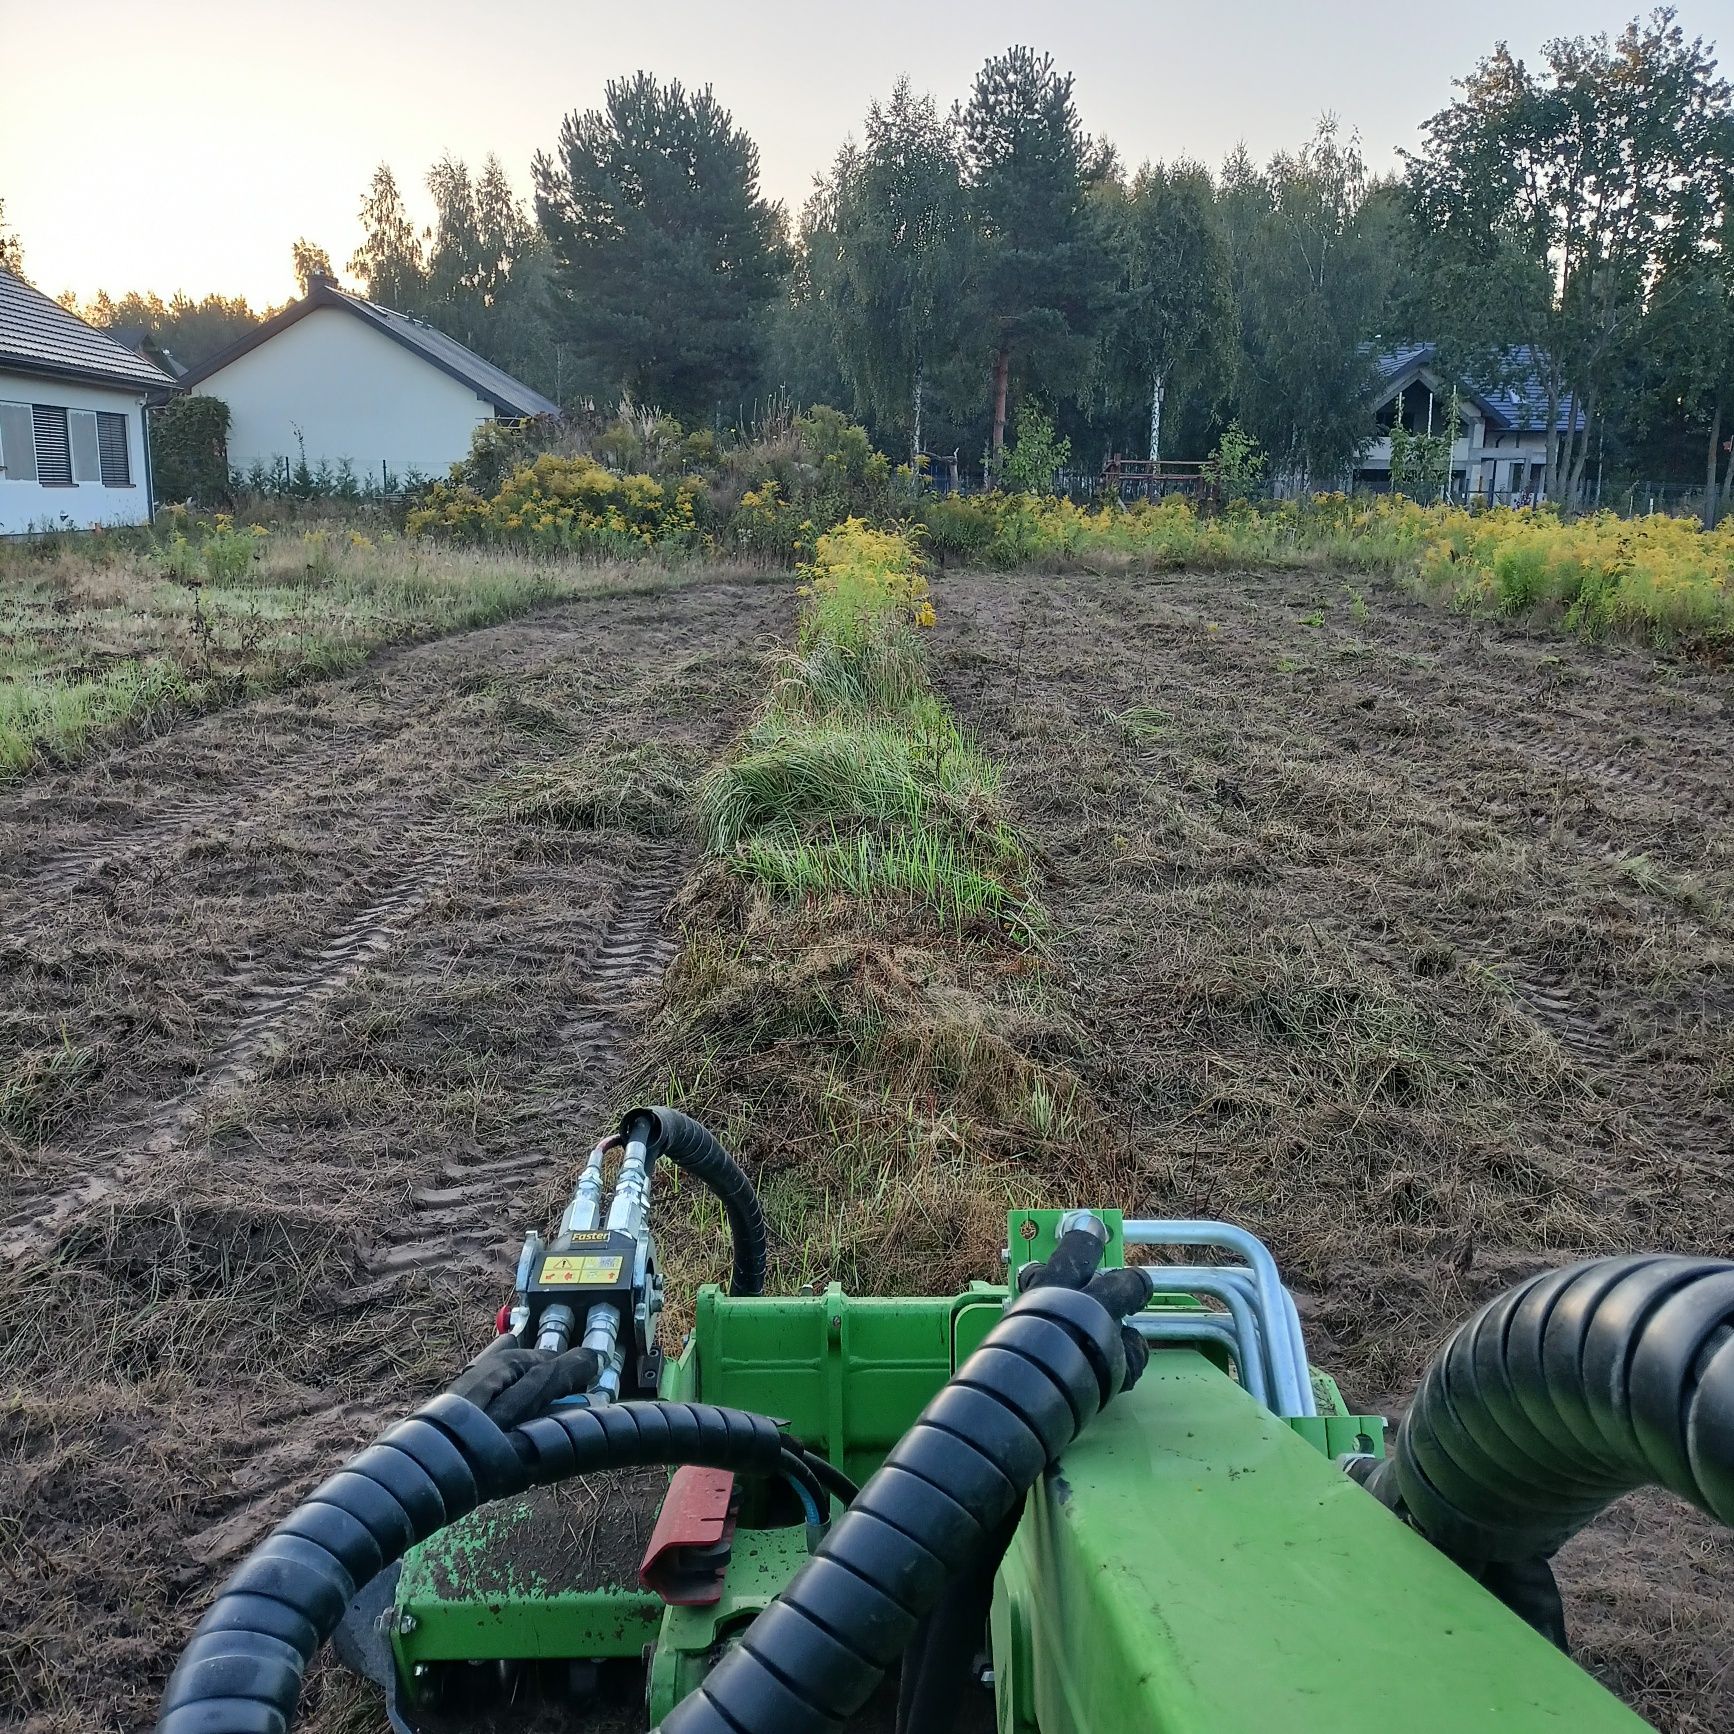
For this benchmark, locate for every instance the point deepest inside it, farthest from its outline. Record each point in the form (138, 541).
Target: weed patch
(855, 781)
(861, 1004)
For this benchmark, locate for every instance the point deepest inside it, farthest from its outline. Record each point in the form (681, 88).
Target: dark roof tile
(39, 336)
(1517, 404)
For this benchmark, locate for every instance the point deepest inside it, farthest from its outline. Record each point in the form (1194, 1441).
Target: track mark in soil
(1550, 1000)
(277, 1004)
(280, 1457)
(472, 1221)
(1576, 759)
(471, 1218)
(254, 799)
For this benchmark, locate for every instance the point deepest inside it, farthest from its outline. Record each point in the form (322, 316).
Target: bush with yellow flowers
(568, 505)
(861, 580)
(1663, 580)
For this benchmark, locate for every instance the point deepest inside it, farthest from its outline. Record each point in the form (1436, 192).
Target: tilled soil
(310, 1034)
(1405, 941)
(1409, 943)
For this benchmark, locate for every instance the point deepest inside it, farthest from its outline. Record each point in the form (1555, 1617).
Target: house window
(86, 453)
(17, 443)
(116, 456)
(53, 445)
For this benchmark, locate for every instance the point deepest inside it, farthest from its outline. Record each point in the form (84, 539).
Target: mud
(340, 1033)
(1408, 942)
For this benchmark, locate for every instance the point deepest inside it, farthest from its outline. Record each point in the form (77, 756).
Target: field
(1406, 939)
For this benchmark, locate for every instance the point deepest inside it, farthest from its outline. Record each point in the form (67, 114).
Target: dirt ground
(1410, 944)
(339, 1033)
(1405, 941)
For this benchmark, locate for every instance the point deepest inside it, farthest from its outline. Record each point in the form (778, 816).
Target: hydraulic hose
(242, 1671)
(1560, 1396)
(694, 1149)
(931, 1513)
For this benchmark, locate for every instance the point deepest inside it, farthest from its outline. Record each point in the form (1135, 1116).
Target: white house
(341, 381)
(1499, 452)
(72, 432)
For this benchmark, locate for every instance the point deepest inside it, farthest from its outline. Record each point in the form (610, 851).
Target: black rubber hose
(1072, 1263)
(694, 1149)
(241, 1672)
(1562, 1395)
(938, 1665)
(830, 1477)
(799, 1469)
(935, 1674)
(814, 1656)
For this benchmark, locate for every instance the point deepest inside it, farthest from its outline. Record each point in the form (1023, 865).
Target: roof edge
(323, 293)
(34, 368)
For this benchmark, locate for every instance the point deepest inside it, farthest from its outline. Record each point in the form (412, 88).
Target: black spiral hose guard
(242, 1671)
(1563, 1394)
(814, 1656)
(694, 1149)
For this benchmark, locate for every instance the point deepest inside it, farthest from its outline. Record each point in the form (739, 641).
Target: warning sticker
(582, 1271)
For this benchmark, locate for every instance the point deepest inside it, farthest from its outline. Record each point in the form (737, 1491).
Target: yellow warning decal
(580, 1271)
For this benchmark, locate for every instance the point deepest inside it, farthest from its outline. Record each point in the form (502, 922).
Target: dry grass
(1409, 951)
(101, 639)
(893, 1089)
(186, 1355)
(645, 787)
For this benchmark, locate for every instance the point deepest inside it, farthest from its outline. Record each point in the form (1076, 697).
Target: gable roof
(510, 397)
(1518, 405)
(39, 336)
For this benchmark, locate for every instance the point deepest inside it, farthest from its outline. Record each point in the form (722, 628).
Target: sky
(185, 145)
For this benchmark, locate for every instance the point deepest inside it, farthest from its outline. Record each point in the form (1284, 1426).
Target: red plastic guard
(689, 1548)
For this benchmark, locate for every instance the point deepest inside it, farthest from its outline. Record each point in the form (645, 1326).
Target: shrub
(1238, 464)
(1038, 455)
(189, 439)
(566, 505)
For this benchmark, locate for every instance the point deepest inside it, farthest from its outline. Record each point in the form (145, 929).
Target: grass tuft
(645, 788)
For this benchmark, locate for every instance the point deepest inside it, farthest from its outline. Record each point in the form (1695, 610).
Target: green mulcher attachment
(1099, 1494)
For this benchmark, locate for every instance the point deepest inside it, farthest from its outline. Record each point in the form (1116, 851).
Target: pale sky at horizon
(196, 139)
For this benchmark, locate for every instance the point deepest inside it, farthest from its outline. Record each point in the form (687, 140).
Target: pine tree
(1041, 283)
(665, 254)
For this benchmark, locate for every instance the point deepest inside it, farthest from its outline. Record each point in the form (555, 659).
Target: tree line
(959, 267)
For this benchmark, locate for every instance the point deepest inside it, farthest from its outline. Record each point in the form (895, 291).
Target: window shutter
(17, 443)
(53, 446)
(86, 457)
(116, 457)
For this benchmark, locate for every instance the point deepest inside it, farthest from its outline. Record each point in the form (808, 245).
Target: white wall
(30, 506)
(351, 393)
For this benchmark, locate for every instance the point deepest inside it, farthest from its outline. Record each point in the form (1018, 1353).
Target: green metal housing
(1194, 1565)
